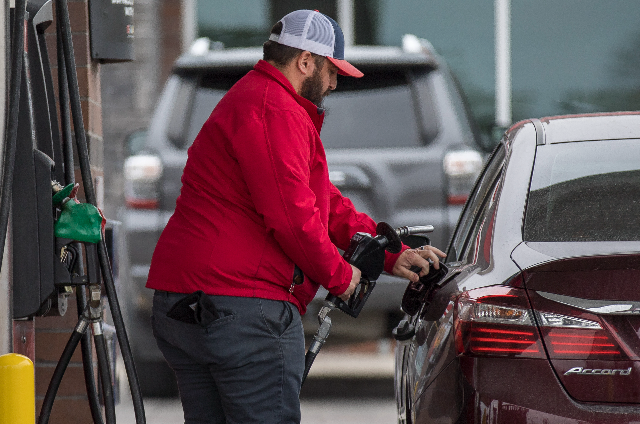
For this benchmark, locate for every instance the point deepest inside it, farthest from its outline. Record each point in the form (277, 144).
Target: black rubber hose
(65, 113)
(308, 361)
(54, 384)
(105, 377)
(11, 137)
(69, 176)
(87, 363)
(85, 169)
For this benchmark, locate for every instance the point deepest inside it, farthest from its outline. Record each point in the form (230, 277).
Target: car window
(585, 191)
(196, 96)
(181, 108)
(203, 103)
(427, 108)
(476, 205)
(385, 108)
(476, 244)
(384, 117)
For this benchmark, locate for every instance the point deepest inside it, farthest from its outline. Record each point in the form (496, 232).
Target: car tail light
(499, 321)
(568, 337)
(496, 321)
(141, 176)
(461, 167)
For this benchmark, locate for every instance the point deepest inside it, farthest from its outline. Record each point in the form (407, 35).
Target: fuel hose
(61, 367)
(105, 373)
(69, 175)
(62, 13)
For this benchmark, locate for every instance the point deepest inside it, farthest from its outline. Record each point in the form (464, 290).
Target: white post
(346, 21)
(503, 62)
(189, 23)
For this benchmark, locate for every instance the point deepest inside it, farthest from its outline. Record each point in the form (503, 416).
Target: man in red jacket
(256, 231)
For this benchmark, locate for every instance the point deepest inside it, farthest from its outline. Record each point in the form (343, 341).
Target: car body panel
(599, 278)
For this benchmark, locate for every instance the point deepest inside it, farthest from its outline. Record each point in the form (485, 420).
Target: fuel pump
(58, 242)
(366, 253)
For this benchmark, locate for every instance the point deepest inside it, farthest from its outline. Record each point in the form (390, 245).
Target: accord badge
(597, 371)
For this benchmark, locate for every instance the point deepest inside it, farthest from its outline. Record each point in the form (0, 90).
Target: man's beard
(312, 88)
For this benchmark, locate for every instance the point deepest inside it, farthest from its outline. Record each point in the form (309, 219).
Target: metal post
(346, 21)
(503, 62)
(189, 23)
(6, 314)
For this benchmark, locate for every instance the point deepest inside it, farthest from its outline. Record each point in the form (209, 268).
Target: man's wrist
(347, 276)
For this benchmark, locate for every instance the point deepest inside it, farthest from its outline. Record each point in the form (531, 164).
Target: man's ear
(305, 63)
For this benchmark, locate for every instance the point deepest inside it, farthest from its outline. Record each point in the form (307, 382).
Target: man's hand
(417, 257)
(355, 280)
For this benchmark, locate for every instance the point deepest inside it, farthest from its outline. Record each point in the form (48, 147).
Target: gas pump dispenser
(58, 242)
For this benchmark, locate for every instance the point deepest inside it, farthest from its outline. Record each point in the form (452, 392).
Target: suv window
(196, 98)
(203, 103)
(381, 109)
(585, 191)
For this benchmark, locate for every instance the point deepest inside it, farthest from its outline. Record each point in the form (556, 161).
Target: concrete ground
(343, 387)
(353, 411)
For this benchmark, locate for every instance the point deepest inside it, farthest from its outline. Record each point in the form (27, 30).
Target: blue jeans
(244, 367)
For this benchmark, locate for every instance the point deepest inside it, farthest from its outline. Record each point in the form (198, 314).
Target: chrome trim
(541, 140)
(605, 307)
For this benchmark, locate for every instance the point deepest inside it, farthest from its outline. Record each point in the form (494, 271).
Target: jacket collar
(315, 113)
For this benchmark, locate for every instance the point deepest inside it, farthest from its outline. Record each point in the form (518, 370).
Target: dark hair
(282, 55)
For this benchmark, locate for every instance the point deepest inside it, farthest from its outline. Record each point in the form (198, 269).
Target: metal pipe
(346, 21)
(503, 62)
(417, 229)
(189, 23)
(6, 312)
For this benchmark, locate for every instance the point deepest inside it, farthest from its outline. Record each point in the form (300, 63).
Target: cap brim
(345, 68)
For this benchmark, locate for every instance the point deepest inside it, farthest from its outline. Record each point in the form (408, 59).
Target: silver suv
(399, 143)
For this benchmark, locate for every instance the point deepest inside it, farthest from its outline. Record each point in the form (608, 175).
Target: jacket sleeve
(273, 152)
(345, 221)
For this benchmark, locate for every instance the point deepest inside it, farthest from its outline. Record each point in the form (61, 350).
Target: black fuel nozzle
(366, 253)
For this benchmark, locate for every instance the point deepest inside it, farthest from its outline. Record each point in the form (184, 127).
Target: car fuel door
(426, 353)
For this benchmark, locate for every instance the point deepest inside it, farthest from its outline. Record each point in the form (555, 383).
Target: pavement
(362, 411)
(343, 386)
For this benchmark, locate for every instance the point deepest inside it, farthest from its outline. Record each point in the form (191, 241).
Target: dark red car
(538, 318)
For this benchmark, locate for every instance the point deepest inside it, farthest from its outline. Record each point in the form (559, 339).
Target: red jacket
(256, 200)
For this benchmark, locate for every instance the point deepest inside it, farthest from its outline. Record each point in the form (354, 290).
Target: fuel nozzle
(366, 253)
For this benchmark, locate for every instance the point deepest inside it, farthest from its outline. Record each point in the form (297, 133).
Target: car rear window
(385, 108)
(585, 191)
(204, 101)
(378, 110)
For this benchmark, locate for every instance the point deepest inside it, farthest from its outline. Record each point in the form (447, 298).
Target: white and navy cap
(317, 33)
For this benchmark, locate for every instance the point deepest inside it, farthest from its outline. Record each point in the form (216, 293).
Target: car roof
(359, 56)
(595, 126)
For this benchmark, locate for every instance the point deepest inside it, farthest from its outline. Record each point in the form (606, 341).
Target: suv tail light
(461, 167)
(499, 321)
(141, 176)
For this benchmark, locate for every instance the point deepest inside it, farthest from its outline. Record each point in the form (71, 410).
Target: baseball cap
(317, 33)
